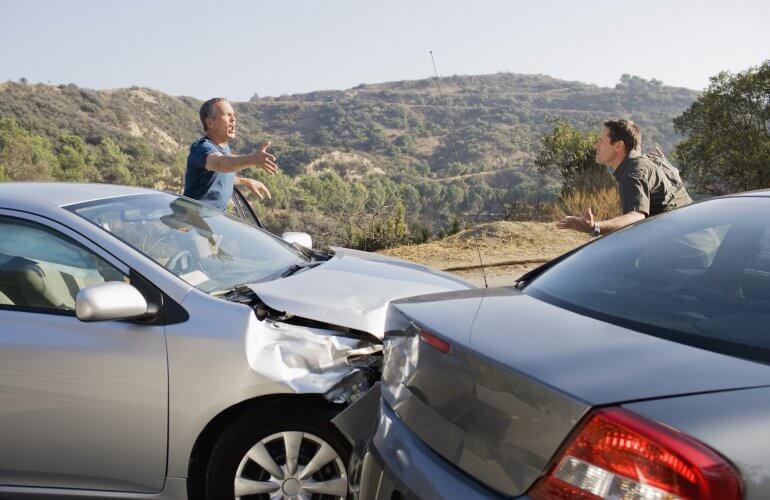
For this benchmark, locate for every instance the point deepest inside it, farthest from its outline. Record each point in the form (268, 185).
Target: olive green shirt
(650, 187)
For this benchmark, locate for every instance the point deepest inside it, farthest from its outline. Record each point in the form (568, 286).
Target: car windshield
(205, 247)
(699, 275)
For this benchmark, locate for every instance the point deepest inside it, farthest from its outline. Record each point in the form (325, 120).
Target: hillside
(497, 119)
(377, 150)
(165, 122)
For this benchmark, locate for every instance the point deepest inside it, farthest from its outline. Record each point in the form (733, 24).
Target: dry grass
(501, 241)
(604, 202)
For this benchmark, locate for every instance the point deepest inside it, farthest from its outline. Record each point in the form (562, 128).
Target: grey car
(633, 367)
(152, 347)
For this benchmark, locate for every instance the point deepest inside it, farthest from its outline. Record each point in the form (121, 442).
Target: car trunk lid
(513, 385)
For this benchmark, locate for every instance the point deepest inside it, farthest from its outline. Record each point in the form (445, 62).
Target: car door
(243, 209)
(82, 405)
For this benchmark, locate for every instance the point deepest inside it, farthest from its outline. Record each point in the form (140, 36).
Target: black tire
(228, 457)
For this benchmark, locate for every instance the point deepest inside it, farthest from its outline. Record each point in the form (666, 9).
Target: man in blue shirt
(211, 167)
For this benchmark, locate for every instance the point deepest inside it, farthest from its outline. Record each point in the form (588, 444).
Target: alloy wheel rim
(291, 465)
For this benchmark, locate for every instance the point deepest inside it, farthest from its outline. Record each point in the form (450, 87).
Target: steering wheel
(178, 258)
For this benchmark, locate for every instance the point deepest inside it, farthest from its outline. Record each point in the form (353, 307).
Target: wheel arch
(204, 444)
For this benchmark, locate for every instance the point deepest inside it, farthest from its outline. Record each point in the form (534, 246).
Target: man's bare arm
(585, 223)
(611, 225)
(235, 163)
(218, 162)
(254, 186)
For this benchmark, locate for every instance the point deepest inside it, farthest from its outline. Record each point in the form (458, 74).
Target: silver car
(152, 347)
(635, 367)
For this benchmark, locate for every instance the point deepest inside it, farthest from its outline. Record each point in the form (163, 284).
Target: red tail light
(618, 454)
(435, 342)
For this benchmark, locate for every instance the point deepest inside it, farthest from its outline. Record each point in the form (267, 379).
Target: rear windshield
(699, 275)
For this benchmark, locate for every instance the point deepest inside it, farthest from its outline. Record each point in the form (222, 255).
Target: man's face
(221, 127)
(607, 153)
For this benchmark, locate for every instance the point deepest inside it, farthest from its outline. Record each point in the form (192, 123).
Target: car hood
(351, 291)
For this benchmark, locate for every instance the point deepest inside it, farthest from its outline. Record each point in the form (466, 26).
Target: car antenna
(457, 159)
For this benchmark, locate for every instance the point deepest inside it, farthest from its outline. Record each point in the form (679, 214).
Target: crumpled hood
(352, 292)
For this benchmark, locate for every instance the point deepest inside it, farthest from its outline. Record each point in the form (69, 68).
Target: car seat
(35, 284)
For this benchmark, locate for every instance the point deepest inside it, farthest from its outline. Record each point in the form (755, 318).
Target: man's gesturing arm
(586, 222)
(611, 225)
(254, 186)
(218, 162)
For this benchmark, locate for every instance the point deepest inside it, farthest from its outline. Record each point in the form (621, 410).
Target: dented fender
(305, 359)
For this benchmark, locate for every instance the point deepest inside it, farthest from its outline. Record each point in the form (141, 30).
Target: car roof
(764, 193)
(45, 195)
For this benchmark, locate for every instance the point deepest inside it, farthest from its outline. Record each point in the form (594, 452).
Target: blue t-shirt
(212, 188)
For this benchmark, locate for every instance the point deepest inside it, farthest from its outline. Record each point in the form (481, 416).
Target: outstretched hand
(584, 223)
(256, 187)
(265, 160)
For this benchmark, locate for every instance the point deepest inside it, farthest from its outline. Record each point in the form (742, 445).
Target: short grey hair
(207, 109)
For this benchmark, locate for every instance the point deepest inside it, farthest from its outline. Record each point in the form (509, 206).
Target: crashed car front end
(319, 318)
(320, 331)
(308, 356)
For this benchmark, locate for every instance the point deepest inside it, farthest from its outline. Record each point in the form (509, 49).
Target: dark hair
(626, 131)
(207, 109)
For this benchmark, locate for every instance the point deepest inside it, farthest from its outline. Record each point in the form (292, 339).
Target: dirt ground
(508, 250)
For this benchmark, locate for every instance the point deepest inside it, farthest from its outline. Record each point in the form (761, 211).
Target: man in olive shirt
(646, 187)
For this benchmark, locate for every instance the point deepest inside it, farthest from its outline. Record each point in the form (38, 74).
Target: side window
(760, 263)
(43, 269)
(755, 283)
(690, 252)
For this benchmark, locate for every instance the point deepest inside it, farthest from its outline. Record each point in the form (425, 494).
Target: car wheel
(302, 456)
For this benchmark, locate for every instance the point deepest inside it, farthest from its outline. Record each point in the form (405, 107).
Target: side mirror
(113, 300)
(303, 239)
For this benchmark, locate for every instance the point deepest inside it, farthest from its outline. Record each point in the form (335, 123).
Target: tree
(76, 163)
(405, 143)
(112, 162)
(396, 226)
(144, 168)
(24, 156)
(633, 82)
(455, 195)
(728, 129)
(571, 152)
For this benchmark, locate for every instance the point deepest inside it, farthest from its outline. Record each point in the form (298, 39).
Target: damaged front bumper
(310, 357)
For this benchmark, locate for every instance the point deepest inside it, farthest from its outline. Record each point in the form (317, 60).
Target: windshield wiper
(244, 288)
(241, 289)
(294, 269)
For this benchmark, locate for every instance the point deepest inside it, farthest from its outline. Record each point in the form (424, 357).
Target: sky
(240, 48)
